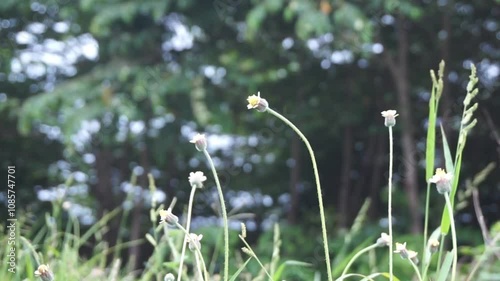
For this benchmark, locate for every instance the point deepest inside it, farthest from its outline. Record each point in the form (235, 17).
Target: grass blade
(445, 268)
(237, 273)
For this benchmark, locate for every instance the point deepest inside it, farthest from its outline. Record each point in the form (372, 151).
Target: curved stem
(198, 265)
(318, 189)
(453, 236)
(256, 258)
(416, 270)
(441, 250)
(224, 215)
(357, 255)
(188, 225)
(364, 277)
(196, 249)
(389, 203)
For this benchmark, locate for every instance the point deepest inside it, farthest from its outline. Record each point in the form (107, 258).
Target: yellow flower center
(253, 100)
(163, 213)
(440, 172)
(43, 269)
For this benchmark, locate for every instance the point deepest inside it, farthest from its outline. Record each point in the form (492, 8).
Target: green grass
(56, 239)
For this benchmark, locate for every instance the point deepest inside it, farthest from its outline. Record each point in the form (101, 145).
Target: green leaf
(369, 277)
(431, 136)
(254, 19)
(445, 268)
(343, 260)
(427, 254)
(237, 273)
(151, 240)
(445, 220)
(447, 153)
(281, 268)
(383, 274)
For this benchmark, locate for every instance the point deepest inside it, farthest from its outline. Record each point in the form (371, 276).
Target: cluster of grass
(52, 250)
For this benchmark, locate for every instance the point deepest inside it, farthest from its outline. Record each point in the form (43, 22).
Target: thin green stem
(196, 249)
(357, 255)
(198, 265)
(318, 189)
(426, 264)
(224, 215)
(441, 250)
(389, 207)
(453, 236)
(416, 270)
(255, 256)
(364, 277)
(426, 220)
(188, 225)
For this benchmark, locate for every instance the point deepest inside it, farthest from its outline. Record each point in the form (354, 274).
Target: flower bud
(200, 142)
(44, 272)
(166, 216)
(384, 240)
(433, 245)
(169, 277)
(194, 241)
(257, 102)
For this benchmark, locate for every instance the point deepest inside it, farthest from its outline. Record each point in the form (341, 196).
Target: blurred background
(100, 92)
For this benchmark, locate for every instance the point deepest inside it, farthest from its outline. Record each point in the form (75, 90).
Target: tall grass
(50, 251)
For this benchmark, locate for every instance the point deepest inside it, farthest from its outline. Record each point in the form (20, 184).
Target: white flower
(257, 102)
(442, 181)
(405, 253)
(169, 277)
(200, 142)
(194, 241)
(390, 117)
(384, 240)
(44, 272)
(433, 245)
(166, 216)
(196, 179)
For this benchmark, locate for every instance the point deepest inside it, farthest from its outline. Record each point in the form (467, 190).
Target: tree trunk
(102, 191)
(137, 212)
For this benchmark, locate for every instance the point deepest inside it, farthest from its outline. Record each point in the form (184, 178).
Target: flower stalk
(389, 122)
(224, 215)
(188, 226)
(261, 105)
(200, 143)
(453, 236)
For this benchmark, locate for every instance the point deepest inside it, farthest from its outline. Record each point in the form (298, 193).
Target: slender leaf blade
(445, 220)
(237, 273)
(445, 268)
